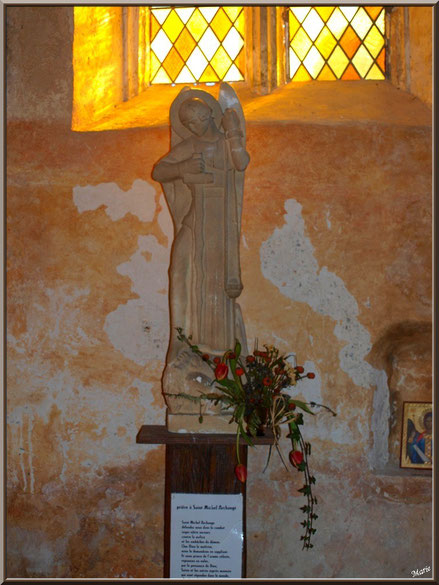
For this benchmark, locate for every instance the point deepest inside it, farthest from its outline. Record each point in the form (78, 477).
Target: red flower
(291, 406)
(239, 371)
(250, 359)
(241, 472)
(310, 375)
(205, 357)
(296, 458)
(266, 381)
(221, 371)
(299, 369)
(230, 355)
(217, 360)
(278, 370)
(263, 354)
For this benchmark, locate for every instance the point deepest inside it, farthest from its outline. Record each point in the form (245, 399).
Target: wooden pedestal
(201, 463)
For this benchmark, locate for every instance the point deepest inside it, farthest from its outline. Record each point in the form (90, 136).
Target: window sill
(318, 102)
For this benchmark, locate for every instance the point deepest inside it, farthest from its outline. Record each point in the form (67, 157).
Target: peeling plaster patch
(328, 220)
(367, 303)
(165, 220)
(34, 549)
(244, 241)
(139, 328)
(152, 413)
(139, 200)
(379, 454)
(288, 261)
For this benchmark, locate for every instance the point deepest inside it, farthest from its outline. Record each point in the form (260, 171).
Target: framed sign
(417, 435)
(206, 536)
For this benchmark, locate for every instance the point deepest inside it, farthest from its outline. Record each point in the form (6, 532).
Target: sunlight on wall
(97, 62)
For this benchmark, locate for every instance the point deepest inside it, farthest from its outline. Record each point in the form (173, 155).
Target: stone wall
(336, 261)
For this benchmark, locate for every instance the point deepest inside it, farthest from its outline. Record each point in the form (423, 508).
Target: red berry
(241, 472)
(205, 357)
(217, 360)
(310, 375)
(291, 406)
(296, 458)
(299, 369)
(239, 371)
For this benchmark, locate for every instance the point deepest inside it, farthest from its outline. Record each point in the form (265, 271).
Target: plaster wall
(335, 251)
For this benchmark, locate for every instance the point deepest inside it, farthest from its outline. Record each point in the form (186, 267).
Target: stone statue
(203, 178)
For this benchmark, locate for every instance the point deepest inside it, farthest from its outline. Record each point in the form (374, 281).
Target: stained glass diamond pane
(221, 24)
(374, 41)
(350, 42)
(313, 24)
(184, 13)
(173, 64)
(232, 12)
(314, 62)
(362, 61)
(161, 45)
(325, 42)
(173, 26)
(197, 25)
(196, 63)
(161, 14)
(338, 62)
(380, 22)
(361, 23)
(221, 62)
(337, 23)
(294, 63)
(294, 24)
(185, 44)
(209, 12)
(185, 76)
(233, 74)
(375, 73)
(209, 43)
(349, 11)
(324, 12)
(300, 12)
(301, 44)
(233, 43)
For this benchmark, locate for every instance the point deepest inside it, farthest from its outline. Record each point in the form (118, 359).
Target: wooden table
(199, 463)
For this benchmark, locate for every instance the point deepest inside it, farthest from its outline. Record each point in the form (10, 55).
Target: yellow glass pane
(361, 23)
(185, 13)
(313, 24)
(208, 12)
(300, 12)
(350, 74)
(185, 76)
(326, 74)
(350, 42)
(301, 44)
(302, 75)
(239, 23)
(154, 65)
(209, 43)
(381, 59)
(338, 62)
(325, 42)
(375, 73)
(221, 62)
(173, 26)
(313, 62)
(294, 63)
(197, 25)
(362, 61)
(373, 11)
(324, 12)
(161, 45)
(209, 75)
(196, 63)
(232, 12)
(381, 22)
(173, 64)
(348, 11)
(233, 43)
(233, 74)
(185, 44)
(294, 24)
(161, 14)
(155, 27)
(374, 41)
(221, 24)
(161, 77)
(337, 23)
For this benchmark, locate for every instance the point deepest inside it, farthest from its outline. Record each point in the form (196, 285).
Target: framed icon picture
(417, 435)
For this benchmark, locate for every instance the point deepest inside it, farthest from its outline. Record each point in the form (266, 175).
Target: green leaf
(237, 349)
(302, 405)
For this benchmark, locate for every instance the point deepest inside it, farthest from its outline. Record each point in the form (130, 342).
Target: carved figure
(203, 177)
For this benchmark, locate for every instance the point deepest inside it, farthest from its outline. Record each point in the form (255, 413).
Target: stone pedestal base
(189, 423)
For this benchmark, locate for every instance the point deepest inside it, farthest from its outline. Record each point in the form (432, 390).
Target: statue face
(195, 115)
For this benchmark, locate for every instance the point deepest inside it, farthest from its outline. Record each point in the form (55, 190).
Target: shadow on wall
(404, 352)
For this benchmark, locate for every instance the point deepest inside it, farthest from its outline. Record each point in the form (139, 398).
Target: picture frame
(417, 436)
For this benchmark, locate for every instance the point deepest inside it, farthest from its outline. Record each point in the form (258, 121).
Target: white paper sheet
(206, 536)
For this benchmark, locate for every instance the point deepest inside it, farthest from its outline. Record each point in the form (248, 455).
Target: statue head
(195, 115)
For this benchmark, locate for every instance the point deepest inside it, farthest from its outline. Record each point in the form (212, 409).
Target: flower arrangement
(252, 389)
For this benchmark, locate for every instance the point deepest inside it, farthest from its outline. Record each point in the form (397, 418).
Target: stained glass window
(336, 42)
(197, 44)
